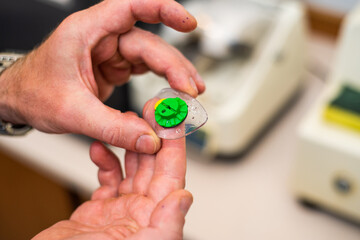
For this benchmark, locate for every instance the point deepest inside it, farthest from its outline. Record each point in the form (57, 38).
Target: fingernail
(185, 204)
(200, 80)
(193, 85)
(146, 144)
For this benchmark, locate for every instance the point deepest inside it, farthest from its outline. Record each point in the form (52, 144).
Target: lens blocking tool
(170, 112)
(177, 114)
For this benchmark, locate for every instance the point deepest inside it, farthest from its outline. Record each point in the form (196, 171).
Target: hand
(59, 87)
(149, 203)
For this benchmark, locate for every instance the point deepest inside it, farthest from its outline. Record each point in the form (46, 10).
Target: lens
(172, 121)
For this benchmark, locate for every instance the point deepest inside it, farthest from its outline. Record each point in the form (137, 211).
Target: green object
(348, 99)
(170, 112)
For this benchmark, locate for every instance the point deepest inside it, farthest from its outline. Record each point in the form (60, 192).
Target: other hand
(149, 203)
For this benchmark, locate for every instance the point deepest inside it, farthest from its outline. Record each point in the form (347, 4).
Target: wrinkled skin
(59, 87)
(148, 204)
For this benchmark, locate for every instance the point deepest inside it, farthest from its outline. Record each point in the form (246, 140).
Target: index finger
(168, 12)
(119, 16)
(170, 163)
(139, 46)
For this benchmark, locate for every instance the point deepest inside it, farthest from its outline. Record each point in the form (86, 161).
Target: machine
(327, 170)
(251, 54)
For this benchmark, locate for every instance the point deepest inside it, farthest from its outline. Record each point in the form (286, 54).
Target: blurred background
(279, 157)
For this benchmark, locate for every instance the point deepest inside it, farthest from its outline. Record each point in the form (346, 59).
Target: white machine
(327, 171)
(251, 55)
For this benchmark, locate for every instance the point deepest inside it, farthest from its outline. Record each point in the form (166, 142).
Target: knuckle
(113, 136)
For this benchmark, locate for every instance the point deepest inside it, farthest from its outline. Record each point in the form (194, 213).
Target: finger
(104, 192)
(168, 12)
(170, 165)
(170, 169)
(139, 68)
(141, 47)
(106, 124)
(131, 166)
(169, 214)
(116, 16)
(116, 70)
(144, 173)
(109, 174)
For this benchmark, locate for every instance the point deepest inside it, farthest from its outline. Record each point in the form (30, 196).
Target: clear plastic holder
(195, 118)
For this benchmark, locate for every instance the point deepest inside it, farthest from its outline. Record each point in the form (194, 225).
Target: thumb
(169, 215)
(125, 130)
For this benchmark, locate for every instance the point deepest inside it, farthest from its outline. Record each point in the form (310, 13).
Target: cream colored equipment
(251, 56)
(327, 171)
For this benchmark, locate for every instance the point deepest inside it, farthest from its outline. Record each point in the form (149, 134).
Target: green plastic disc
(170, 112)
